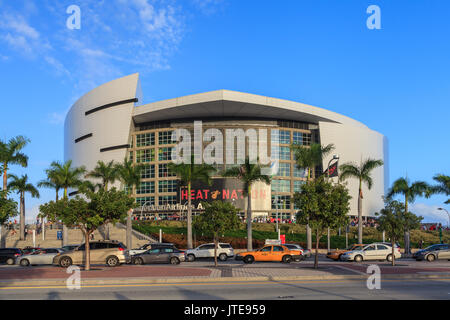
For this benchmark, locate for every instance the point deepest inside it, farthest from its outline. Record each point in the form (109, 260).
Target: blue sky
(395, 80)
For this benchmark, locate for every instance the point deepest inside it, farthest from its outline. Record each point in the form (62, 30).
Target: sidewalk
(151, 274)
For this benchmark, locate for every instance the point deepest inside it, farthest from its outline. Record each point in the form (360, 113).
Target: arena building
(111, 123)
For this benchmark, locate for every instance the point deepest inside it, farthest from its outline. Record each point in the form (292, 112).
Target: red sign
(283, 238)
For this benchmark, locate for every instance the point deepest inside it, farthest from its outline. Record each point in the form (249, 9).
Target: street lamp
(442, 209)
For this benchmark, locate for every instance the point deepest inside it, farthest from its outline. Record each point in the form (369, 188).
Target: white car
(374, 251)
(224, 251)
(42, 256)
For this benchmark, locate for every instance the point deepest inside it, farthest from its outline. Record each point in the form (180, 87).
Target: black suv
(9, 255)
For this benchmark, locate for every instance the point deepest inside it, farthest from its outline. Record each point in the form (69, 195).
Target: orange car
(336, 254)
(278, 253)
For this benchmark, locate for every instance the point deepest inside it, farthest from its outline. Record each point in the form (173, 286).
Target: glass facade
(153, 147)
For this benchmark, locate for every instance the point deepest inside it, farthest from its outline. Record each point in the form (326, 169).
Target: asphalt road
(270, 290)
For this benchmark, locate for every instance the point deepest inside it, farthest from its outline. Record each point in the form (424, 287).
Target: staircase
(75, 236)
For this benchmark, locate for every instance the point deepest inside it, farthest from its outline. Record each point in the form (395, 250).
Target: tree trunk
(22, 216)
(406, 235)
(360, 225)
(129, 227)
(189, 219)
(249, 220)
(2, 236)
(316, 259)
(87, 251)
(5, 180)
(65, 240)
(393, 255)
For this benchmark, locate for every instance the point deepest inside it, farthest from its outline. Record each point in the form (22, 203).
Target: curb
(182, 280)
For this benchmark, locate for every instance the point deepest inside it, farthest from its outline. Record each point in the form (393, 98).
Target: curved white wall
(109, 127)
(354, 144)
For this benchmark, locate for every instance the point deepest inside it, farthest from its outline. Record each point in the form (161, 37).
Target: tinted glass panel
(278, 248)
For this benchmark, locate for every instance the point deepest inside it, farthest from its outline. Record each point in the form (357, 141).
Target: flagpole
(335, 157)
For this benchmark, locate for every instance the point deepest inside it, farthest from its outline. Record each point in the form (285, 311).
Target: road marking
(217, 283)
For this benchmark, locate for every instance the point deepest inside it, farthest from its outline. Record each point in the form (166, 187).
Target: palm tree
(10, 154)
(248, 173)
(22, 186)
(130, 176)
(51, 182)
(443, 186)
(402, 186)
(189, 173)
(107, 172)
(363, 174)
(308, 157)
(66, 177)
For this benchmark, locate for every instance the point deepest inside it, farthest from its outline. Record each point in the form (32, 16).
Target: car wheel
(389, 257)
(339, 258)
(190, 257)
(249, 259)
(24, 262)
(358, 258)
(286, 259)
(65, 262)
(174, 260)
(431, 258)
(112, 261)
(223, 257)
(138, 261)
(10, 261)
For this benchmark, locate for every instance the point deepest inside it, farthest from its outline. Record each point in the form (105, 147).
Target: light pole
(442, 209)
(276, 201)
(335, 157)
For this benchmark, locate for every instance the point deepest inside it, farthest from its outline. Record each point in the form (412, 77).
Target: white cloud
(429, 213)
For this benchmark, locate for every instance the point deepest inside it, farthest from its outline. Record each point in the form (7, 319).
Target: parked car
(109, 252)
(278, 253)
(374, 251)
(159, 254)
(43, 256)
(336, 254)
(434, 252)
(149, 246)
(70, 247)
(9, 255)
(224, 251)
(297, 247)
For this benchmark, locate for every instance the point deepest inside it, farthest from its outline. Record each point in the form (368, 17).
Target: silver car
(374, 251)
(42, 256)
(224, 251)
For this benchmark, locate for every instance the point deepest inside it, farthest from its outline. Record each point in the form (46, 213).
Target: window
(284, 202)
(165, 137)
(301, 138)
(298, 185)
(266, 249)
(146, 187)
(164, 172)
(285, 137)
(163, 200)
(148, 201)
(148, 171)
(300, 173)
(225, 246)
(167, 186)
(167, 250)
(370, 248)
(154, 251)
(206, 247)
(164, 154)
(285, 153)
(146, 155)
(381, 247)
(278, 248)
(281, 185)
(284, 169)
(130, 156)
(145, 140)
